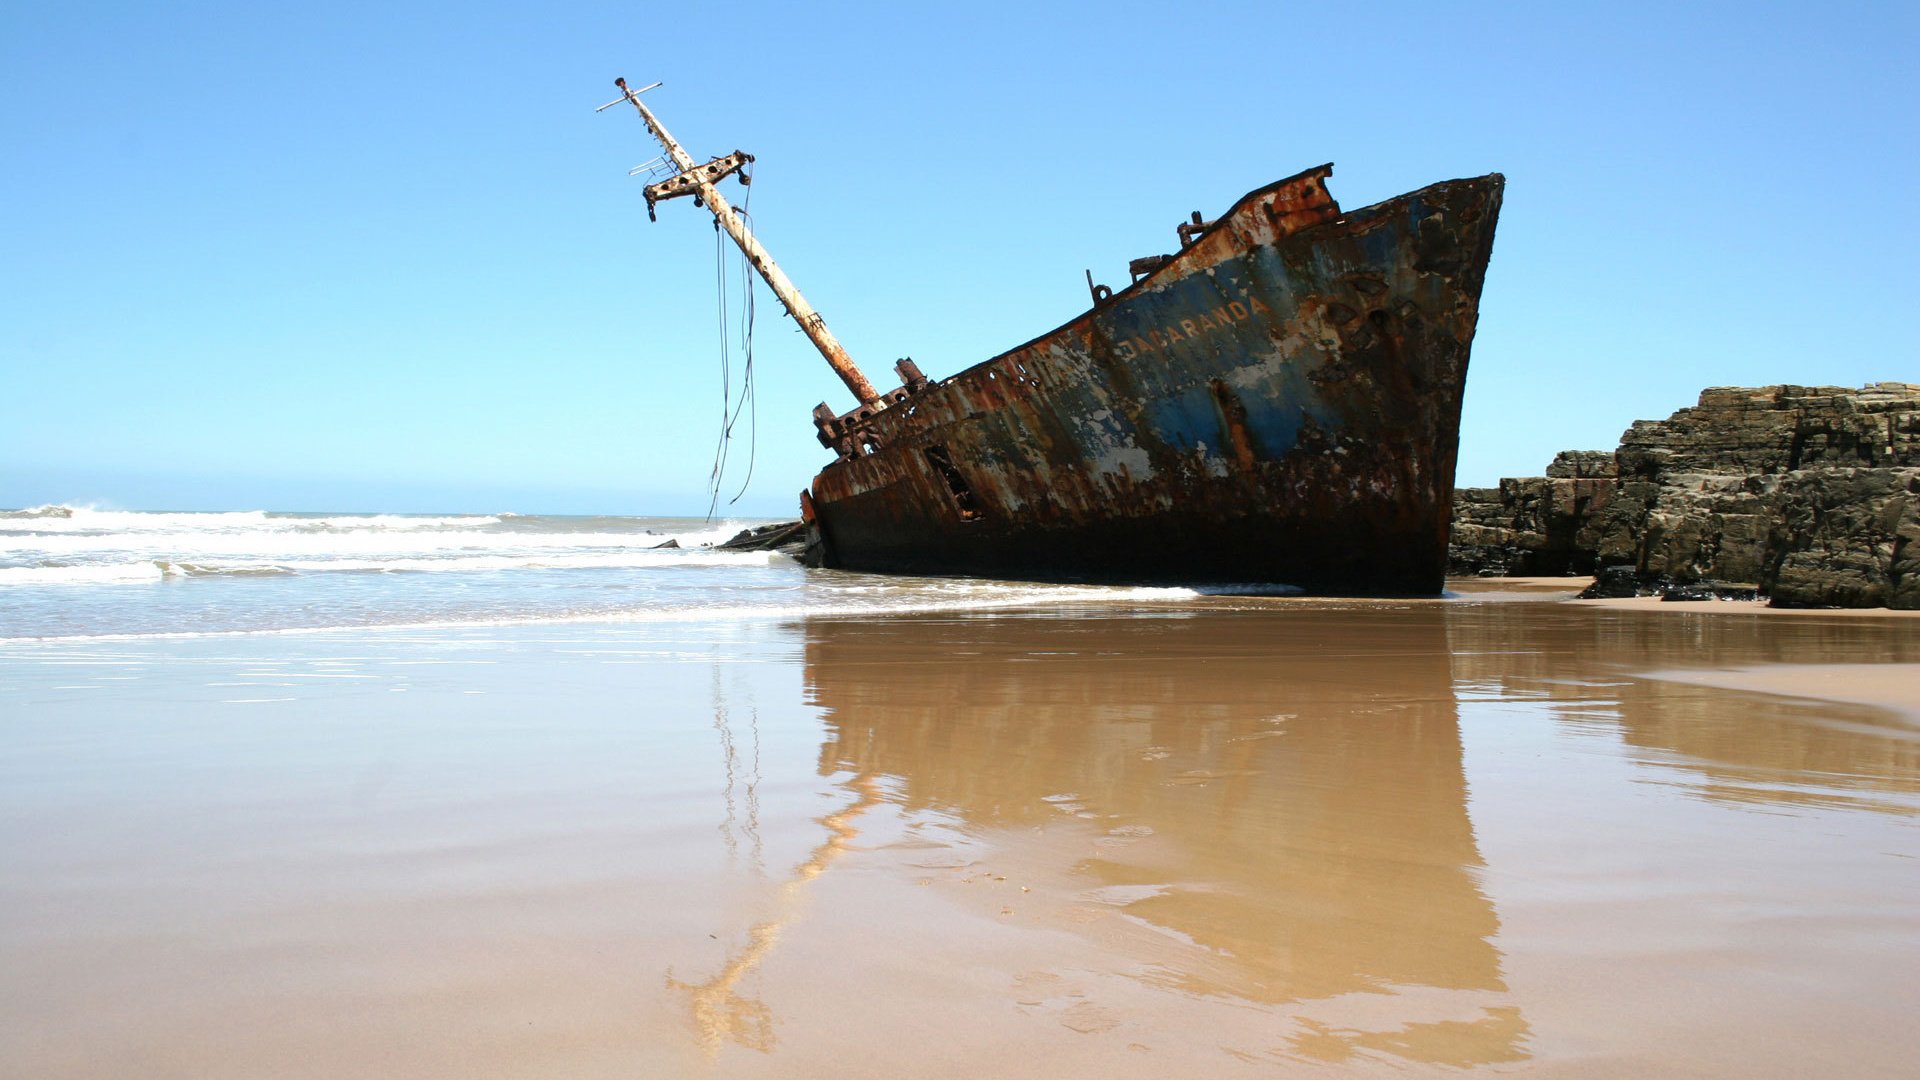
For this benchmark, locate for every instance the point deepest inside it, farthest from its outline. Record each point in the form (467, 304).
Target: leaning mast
(698, 181)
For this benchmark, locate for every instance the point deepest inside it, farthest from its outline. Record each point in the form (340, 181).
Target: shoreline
(1741, 607)
(1478, 586)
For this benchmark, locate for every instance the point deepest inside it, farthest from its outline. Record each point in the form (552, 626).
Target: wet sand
(1247, 838)
(1743, 607)
(1894, 687)
(1479, 585)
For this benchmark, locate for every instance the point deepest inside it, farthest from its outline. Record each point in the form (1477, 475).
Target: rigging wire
(730, 410)
(748, 399)
(726, 375)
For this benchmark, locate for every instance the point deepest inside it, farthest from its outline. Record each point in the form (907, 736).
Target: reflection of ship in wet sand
(1767, 750)
(1290, 804)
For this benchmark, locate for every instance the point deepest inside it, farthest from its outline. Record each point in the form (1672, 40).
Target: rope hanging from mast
(748, 399)
(698, 181)
(730, 410)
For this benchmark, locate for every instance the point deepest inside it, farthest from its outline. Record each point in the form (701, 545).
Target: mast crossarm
(688, 181)
(727, 218)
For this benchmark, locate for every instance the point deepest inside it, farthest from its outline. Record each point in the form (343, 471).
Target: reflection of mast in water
(720, 1011)
(753, 791)
(730, 763)
(722, 725)
(1284, 793)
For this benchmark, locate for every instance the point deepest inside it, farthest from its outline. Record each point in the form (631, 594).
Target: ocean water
(76, 572)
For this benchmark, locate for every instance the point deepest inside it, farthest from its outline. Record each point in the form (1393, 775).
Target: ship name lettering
(1207, 322)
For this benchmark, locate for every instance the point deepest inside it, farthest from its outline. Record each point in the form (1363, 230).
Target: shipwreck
(1276, 402)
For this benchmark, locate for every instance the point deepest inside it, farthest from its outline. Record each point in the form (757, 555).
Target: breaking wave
(59, 535)
(146, 571)
(69, 571)
(108, 574)
(959, 598)
(84, 519)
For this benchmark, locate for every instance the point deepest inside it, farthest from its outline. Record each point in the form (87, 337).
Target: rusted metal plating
(848, 434)
(1278, 402)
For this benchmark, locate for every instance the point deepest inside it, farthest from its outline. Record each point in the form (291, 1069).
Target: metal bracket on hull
(1190, 230)
(1101, 293)
(1146, 264)
(1138, 268)
(847, 434)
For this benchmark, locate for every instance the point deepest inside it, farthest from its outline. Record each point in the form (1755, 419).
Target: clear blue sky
(384, 256)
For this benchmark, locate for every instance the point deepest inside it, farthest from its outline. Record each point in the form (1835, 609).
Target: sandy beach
(1252, 838)
(1745, 607)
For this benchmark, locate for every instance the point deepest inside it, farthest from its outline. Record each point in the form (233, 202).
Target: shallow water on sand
(1260, 837)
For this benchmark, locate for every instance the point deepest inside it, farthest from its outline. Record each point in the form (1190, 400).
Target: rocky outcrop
(1812, 494)
(1536, 525)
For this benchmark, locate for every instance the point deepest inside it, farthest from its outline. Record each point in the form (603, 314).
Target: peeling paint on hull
(1279, 403)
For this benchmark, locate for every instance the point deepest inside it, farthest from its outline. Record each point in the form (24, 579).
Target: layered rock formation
(1810, 493)
(1534, 525)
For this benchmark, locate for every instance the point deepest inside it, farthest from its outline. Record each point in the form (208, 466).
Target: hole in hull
(964, 499)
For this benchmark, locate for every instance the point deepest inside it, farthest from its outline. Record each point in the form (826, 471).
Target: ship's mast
(698, 180)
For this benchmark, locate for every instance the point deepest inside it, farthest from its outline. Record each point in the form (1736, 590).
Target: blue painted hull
(1279, 403)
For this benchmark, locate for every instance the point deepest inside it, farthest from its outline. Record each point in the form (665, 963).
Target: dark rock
(1583, 465)
(1810, 493)
(1845, 538)
(786, 537)
(1529, 526)
(668, 544)
(1618, 583)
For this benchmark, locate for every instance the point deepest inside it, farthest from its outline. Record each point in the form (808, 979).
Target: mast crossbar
(692, 179)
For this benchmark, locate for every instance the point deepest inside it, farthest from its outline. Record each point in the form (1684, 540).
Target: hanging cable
(730, 410)
(726, 374)
(748, 400)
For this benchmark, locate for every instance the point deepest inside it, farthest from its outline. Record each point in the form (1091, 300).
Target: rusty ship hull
(1277, 403)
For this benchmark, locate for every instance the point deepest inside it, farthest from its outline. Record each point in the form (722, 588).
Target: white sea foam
(54, 518)
(87, 519)
(384, 522)
(314, 545)
(108, 574)
(254, 539)
(556, 561)
(151, 570)
(962, 598)
(45, 510)
(348, 572)
(84, 519)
